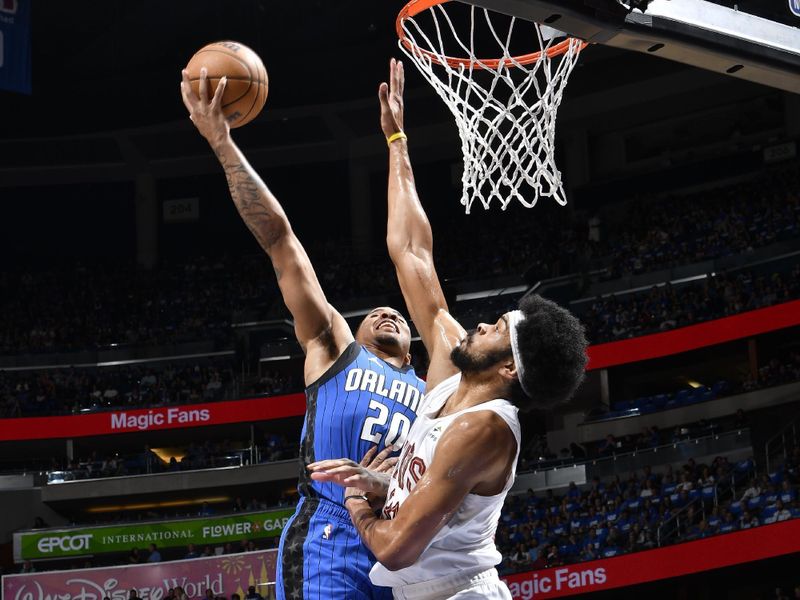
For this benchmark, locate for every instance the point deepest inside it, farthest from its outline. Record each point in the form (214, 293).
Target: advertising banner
(601, 356)
(702, 335)
(711, 553)
(223, 575)
(152, 419)
(83, 541)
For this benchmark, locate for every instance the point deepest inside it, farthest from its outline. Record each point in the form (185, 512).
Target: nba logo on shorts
(8, 6)
(326, 533)
(794, 6)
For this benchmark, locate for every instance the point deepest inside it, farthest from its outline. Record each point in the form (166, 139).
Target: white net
(505, 108)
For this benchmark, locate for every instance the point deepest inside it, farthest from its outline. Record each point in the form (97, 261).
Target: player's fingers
(383, 93)
(186, 102)
(387, 465)
(401, 78)
(344, 471)
(187, 94)
(325, 478)
(216, 101)
(204, 85)
(324, 465)
(368, 456)
(382, 456)
(355, 481)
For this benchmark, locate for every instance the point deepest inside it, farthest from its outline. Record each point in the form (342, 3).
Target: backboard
(719, 36)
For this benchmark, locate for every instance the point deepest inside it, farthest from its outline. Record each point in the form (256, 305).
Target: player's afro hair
(552, 346)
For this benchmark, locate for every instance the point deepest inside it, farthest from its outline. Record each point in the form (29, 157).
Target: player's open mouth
(388, 325)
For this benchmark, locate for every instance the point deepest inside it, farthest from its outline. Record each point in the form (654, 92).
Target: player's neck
(471, 391)
(396, 361)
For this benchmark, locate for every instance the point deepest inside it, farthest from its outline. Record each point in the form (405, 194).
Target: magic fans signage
(708, 554)
(601, 356)
(168, 417)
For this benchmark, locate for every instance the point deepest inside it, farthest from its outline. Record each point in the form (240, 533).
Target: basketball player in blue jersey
(361, 392)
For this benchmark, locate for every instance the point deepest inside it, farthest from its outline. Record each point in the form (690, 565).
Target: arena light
(163, 504)
(166, 454)
(694, 384)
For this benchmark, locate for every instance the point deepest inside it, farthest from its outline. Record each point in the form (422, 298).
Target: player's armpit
(474, 454)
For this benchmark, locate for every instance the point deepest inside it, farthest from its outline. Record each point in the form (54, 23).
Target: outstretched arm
(321, 331)
(410, 240)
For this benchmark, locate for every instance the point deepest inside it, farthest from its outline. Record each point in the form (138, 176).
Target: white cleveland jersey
(466, 542)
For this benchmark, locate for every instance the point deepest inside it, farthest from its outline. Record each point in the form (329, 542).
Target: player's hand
(391, 98)
(370, 475)
(206, 114)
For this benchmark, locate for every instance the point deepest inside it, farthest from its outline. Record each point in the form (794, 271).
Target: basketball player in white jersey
(435, 536)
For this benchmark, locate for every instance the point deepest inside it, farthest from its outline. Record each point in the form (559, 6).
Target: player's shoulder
(484, 429)
(349, 355)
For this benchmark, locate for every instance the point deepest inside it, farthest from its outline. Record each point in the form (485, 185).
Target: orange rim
(414, 7)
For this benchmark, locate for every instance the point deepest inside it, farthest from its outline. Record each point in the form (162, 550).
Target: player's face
(387, 328)
(483, 347)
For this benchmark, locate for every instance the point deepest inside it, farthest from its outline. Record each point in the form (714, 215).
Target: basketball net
(505, 108)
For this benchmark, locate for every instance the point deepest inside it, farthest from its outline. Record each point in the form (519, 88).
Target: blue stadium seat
(661, 399)
(698, 394)
(736, 508)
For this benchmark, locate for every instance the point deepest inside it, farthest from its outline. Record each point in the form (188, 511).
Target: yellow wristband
(396, 136)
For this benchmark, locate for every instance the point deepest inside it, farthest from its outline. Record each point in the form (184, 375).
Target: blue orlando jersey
(360, 401)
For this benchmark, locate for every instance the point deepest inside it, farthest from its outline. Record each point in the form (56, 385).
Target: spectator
(134, 558)
(133, 594)
(252, 594)
(752, 491)
(609, 446)
(27, 567)
(191, 552)
(155, 555)
(781, 512)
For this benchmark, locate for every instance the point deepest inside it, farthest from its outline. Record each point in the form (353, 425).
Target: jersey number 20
(398, 428)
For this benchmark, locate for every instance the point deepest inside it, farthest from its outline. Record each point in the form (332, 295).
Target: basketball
(246, 90)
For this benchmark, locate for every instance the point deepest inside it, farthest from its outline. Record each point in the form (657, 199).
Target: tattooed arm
(322, 332)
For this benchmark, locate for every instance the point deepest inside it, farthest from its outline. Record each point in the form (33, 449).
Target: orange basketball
(246, 90)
